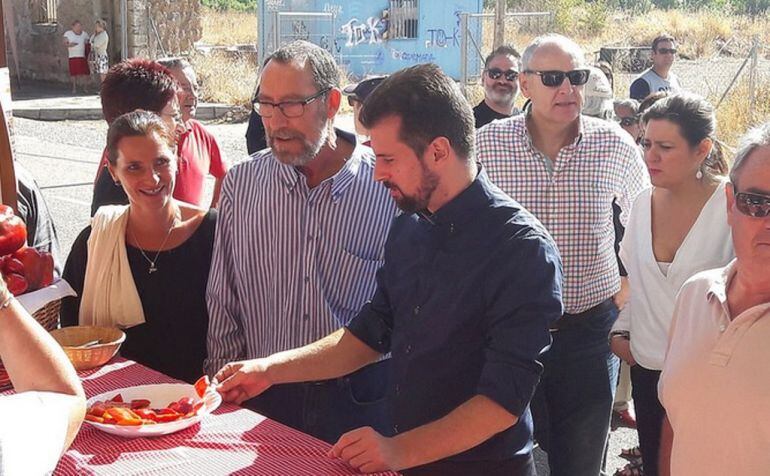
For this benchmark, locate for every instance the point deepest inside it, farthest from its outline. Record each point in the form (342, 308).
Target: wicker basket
(84, 358)
(48, 317)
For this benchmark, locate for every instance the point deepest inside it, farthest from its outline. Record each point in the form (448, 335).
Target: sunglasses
(665, 51)
(495, 73)
(753, 204)
(553, 79)
(628, 121)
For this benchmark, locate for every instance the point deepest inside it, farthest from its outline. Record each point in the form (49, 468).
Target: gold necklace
(152, 262)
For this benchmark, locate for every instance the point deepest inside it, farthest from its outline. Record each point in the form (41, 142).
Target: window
(403, 19)
(43, 11)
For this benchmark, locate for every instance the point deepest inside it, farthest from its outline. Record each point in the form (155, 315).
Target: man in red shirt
(198, 150)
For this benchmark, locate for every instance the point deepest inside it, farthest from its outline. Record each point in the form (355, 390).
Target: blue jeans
(572, 405)
(330, 408)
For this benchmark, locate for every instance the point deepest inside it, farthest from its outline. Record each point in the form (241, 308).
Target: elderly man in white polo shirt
(715, 384)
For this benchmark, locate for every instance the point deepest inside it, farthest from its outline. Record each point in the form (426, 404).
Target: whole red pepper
(16, 283)
(38, 267)
(13, 232)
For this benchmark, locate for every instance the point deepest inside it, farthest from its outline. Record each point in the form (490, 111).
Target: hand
(366, 450)
(621, 297)
(621, 347)
(240, 381)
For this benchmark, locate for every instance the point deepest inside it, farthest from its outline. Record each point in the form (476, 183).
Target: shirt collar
(524, 131)
(462, 208)
(340, 181)
(718, 288)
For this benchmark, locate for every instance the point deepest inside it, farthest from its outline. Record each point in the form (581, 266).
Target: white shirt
(647, 314)
(33, 426)
(79, 50)
(715, 384)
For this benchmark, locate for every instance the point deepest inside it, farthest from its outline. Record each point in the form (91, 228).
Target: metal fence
(738, 74)
(477, 36)
(315, 27)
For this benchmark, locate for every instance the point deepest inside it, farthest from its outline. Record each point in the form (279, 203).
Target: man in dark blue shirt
(471, 283)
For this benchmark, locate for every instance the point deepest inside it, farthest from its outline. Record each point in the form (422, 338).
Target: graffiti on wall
(369, 31)
(412, 57)
(439, 38)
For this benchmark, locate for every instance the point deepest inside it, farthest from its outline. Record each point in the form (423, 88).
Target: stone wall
(41, 52)
(163, 27)
(42, 55)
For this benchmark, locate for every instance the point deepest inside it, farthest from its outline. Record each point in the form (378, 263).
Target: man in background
(501, 86)
(658, 77)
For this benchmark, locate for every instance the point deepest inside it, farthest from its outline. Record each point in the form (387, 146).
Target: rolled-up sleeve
(225, 340)
(524, 299)
(373, 325)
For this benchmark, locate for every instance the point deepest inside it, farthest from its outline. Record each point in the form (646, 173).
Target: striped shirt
(572, 196)
(292, 264)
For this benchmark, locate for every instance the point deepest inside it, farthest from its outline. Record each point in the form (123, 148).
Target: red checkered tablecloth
(232, 440)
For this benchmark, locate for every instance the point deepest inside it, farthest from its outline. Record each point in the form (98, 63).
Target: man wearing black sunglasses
(658, 77)
(715, 378)
(501, 86)
(567, 169)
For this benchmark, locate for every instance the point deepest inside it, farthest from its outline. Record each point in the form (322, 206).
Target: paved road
(63, 157)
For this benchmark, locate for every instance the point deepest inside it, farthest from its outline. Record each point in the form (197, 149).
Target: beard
(419, 201)
(310, 147)
(501, 94)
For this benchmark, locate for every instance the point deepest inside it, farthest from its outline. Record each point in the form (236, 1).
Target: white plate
(160, 396)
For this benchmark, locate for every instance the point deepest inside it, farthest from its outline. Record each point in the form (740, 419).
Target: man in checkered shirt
(567, 169)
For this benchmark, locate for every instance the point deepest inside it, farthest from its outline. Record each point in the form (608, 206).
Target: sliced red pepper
(146, 413)
(139, 403)
(124, 416)
(201, 385)
(167, 417)
(117, 398)
(185, 405)
(97, 409)
(95, 418)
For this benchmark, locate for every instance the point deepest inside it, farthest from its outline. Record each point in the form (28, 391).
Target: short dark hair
(326, 73)
(136, 124)
(429, 104)
(651, 99)
(136, 83)
(696, 120)
(502, 50)
(661, 38)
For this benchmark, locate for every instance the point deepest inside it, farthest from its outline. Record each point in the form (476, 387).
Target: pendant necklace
(152, 262)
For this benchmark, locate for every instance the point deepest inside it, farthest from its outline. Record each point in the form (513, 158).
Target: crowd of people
(454, 284)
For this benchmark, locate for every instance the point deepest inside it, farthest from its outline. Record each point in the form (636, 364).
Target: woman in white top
(98, 58)
(677, 228)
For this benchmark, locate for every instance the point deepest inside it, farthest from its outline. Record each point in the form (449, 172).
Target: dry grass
(228, 27)
(734, 116)
(225, 78)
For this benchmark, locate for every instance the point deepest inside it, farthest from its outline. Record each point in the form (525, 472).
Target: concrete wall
(355, 33)
(42, 56)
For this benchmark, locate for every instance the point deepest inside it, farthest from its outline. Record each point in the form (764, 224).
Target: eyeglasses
(627, 121)
(665, 51)
(553, 79)
(495, 73)
(288, 108)
(753, 204)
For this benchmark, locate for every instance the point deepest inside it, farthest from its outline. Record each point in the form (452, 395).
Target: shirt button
(408, 350)
(306, 316)
(416, 310)
(722, 327)
(398, 389)
(307, 279)
(395, 428)
(309, 238)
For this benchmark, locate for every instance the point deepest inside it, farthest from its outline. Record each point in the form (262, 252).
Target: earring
(699, 174)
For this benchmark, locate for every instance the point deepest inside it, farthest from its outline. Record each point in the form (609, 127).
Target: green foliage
(237, 5)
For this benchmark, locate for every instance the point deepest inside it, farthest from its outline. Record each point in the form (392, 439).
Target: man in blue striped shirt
(300, 236)
(471, 283)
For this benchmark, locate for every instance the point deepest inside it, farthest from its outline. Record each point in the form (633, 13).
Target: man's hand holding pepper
(242, 380)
